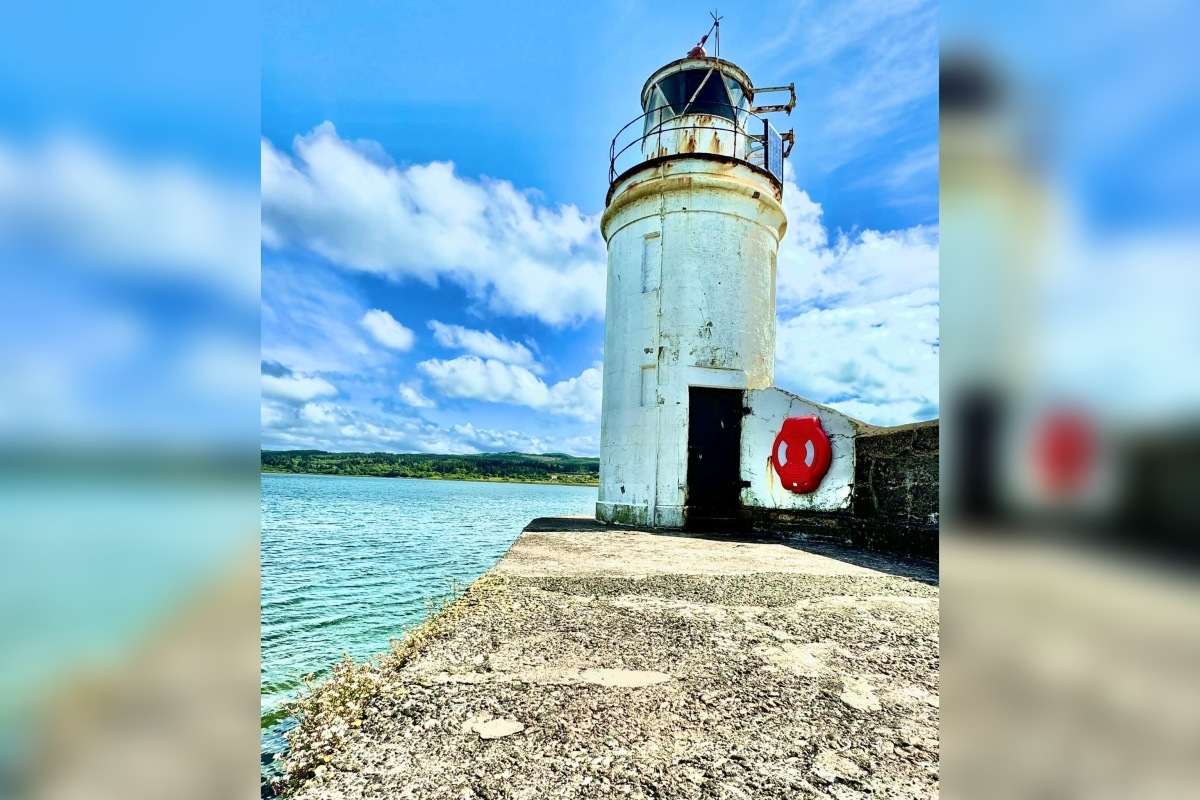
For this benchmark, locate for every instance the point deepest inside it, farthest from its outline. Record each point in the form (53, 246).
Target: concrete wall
(690, 302)
(768, 408)
(893, 501)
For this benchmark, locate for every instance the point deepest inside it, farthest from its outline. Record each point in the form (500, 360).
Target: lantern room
(703, 106)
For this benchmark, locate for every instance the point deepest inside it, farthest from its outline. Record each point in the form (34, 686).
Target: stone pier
(593, 661)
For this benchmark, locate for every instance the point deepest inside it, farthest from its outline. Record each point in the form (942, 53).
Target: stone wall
(894, 500)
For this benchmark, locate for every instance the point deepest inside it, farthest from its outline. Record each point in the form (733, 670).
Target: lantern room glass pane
(659, 111)
(713, 97)
(735, 92)
(657, 101)
(738, 96)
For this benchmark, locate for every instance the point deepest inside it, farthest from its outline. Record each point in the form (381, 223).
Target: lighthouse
(693, 430)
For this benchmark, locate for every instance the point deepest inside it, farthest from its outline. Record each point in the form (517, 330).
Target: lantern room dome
(699, 86)
(702, 109)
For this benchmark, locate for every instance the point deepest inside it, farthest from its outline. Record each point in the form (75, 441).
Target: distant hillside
(513, 467)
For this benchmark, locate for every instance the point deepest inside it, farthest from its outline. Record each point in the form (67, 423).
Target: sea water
(348, 562)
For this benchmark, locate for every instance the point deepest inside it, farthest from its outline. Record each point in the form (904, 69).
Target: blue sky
(130, 166)
(432, 179)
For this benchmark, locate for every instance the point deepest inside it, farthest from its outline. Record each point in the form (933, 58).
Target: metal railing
(755, 154)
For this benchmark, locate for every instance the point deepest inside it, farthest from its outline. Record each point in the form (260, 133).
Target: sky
(132, 168)
(432, 180)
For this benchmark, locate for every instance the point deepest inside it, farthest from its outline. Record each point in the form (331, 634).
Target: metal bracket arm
(785, 108)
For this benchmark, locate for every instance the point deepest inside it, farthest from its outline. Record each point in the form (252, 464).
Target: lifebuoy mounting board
(801, 454)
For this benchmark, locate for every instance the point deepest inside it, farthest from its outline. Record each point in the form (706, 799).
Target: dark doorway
(714, 452)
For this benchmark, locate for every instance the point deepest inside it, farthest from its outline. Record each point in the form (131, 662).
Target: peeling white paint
(768, 409)
(692, 246)
(708, 320)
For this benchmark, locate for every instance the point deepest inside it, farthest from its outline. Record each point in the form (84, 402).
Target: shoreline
(432, 478)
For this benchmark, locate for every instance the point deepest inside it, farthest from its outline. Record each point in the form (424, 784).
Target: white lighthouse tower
(693, 430)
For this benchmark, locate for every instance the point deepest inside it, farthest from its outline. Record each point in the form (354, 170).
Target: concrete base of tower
(880, 493)
(640, 516)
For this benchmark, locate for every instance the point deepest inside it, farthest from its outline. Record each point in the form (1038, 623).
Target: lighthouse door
(714, 449)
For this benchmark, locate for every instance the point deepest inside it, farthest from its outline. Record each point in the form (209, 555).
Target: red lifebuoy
(801, 454)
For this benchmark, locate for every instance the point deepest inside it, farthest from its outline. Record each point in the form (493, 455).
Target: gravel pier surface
(599, 662)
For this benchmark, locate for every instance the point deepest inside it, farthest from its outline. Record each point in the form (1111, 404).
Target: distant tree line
(513, 467)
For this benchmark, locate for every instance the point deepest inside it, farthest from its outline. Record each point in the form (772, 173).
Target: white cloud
(497, 441)
(816, 273)
(579, 396)
(858, 316)
(858, 312)
(491, 380)
(485, 344)
(424, 221)
(494, 381)
(162, 219)
(312, 322)
(296, 388)
(384, 328)
(877, 362)
(330, 426)
(410, 395)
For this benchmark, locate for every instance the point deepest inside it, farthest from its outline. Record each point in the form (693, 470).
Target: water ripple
(348, 563)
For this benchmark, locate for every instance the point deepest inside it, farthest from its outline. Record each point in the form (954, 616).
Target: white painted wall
(768, 409)
(692, 246)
